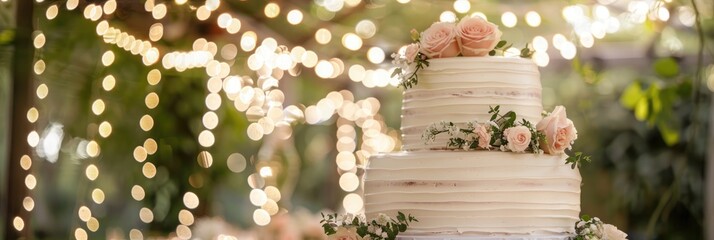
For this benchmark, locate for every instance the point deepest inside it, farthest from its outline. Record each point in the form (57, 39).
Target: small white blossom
(383, 219)
(580, 224)
(384, 235)
(378, 231)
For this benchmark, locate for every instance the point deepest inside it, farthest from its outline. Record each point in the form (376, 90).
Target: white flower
(379, 231)
(383, 219)
(580, 224)
(454, 130)
(384, 235)
(611, 232)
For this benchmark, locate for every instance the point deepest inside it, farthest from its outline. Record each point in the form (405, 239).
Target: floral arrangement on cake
(554, 134)
(588, 228)
(350, 227)
(472, 36)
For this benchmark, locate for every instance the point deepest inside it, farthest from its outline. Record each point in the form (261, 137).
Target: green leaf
(585, 218)
(666, 67)
(396, 72)
(653, 92)
(501, 43)
(669, 135)
(492, 53)
(631, 95)
(642, 109)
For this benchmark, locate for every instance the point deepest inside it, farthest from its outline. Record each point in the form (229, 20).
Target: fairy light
(509, 19)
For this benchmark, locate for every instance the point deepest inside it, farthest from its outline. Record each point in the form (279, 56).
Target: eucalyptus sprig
(577, 160)
(410, 79)
(381, 228)
(502, 46)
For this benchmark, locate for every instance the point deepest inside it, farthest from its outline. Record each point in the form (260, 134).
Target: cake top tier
(463, 89)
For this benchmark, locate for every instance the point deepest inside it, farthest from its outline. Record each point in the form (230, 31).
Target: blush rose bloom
(411, 52)
(439, 41)
(344, 233)
(559, 131)
(612, 233)
(477, 36)
(518, 137)
(484, 137)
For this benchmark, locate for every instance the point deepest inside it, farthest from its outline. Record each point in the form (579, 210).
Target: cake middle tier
(462, 89)
(475, 193)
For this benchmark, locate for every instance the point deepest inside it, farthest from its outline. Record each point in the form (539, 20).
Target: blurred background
(243, 119)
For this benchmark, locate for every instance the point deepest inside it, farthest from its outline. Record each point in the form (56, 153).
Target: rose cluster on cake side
(554, 134)
(591, 228)
(470, 37)
(351, 227)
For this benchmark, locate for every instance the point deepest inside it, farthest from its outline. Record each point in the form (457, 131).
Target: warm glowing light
(159, 11)
(98, 107)
(261, 217)
(18, 223)
(271, 207)
(110, 6)
(151, 100)
(248, 41)
(140, 154)
(568, 50)
(25, 162)
(447, 16)
(32, 115)
(156, 32)
(204, 159)
(52, 11)
(323, 36)
(210, 120)
(42, 91)
(202, 13)
(533, 19)
(349, 182)
(324, 69)
(462, 6)
(149, 170)
(28, 203)
(39, 67)
(352, 203)
(375, 55)
(108, 83)
(153, 77)
(39, 40)
(366, 29)
(92, 172)
(93, 224)
(236, 162)
(98, 196)
(351, 41)
(30, 181)
(150, 146)
(105, 129)
(294, 17)
(190, 200)
(272, 10)
(80, 234)
(183, 232)
(346, 161)
(137, 192)
(509, 19)
(255, 131)
(146, 123)
(92, 149)
(272, 193)
(258, 197)
(309, 59)
(84, 213)
(146, 215)
(185, 217)
(135, 234)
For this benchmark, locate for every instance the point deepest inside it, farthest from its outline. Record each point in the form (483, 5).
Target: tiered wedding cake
(456, 193)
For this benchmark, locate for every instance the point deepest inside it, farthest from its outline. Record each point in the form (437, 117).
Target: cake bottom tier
(502, 237)
(475, 194)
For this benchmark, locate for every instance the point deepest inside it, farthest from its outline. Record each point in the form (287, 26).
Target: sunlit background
(242, 119)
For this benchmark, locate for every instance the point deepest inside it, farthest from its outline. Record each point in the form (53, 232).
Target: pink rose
(439, 41)
(477, 36)
(559, 131)
(484, 137)
(411, 52)
(518, 137)
(344, 233)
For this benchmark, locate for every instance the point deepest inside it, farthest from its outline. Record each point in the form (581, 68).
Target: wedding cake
(473, 193)
(479, 159)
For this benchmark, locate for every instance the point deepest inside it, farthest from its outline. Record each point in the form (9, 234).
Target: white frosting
(462, 89)
(477, 193)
